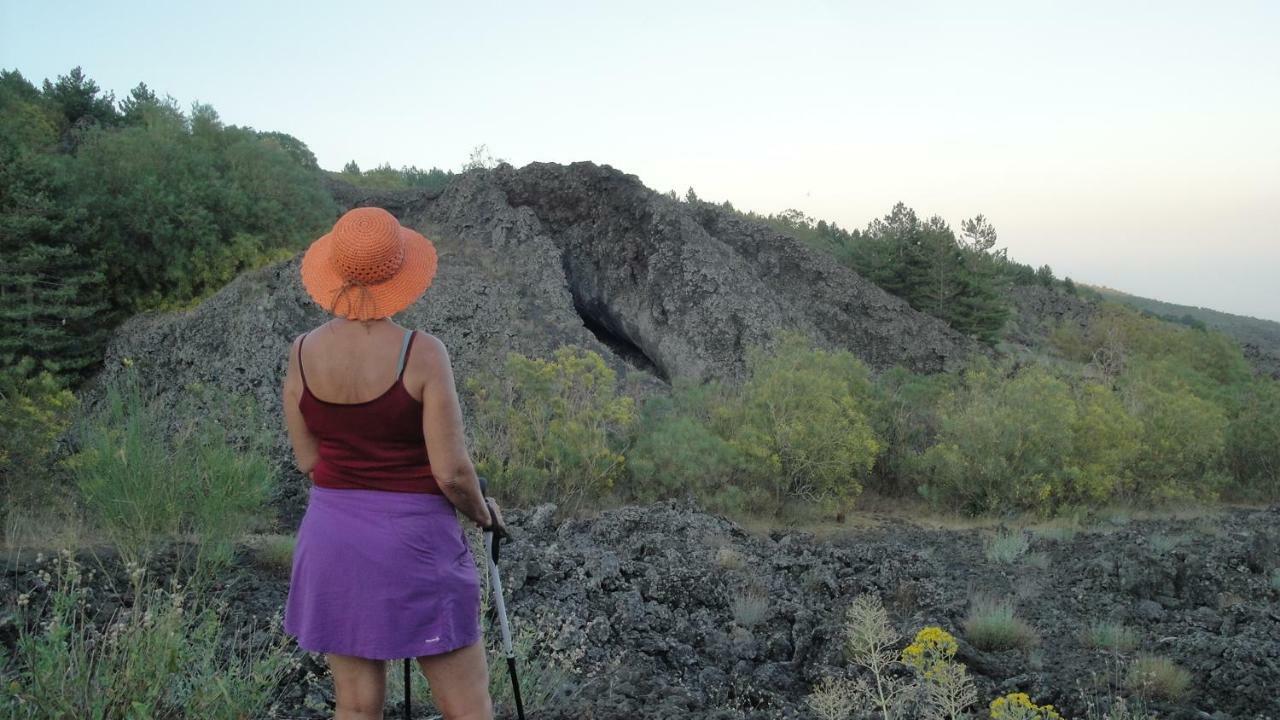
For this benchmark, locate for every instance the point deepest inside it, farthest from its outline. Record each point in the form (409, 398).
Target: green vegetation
(750, 609)
(34, 411)
(962, 279)
(1130, 411)
(1256, 331)
(1158, 678)
(385, 177)
(935, 686)
(1111, 636)
(800, 423)
(1007, 547)
(992, 625)
(551, 429)
(168, 655)
(276, 552)
(148, 473)
(109, 208)
(795, 430)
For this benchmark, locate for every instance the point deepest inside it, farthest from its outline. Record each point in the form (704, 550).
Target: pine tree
(51, 296)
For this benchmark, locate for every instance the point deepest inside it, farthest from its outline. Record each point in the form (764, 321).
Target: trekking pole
(407, 683)
(491, 545)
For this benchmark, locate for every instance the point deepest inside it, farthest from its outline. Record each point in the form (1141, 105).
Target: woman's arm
(444, 433)
(305, 452)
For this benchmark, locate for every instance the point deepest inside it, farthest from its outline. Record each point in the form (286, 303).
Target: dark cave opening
(619, 343)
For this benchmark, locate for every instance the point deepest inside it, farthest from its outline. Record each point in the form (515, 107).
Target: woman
(382, 569)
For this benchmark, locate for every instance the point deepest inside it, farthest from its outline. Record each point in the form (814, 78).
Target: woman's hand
(497, 525)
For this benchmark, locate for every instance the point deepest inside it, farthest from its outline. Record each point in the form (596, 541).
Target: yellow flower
(1018, 706)
(932, 648)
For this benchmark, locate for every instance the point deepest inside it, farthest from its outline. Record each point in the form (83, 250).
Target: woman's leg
(359, 686)
(459, 682)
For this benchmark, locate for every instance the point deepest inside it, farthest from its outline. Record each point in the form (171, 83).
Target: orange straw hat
(368, 267)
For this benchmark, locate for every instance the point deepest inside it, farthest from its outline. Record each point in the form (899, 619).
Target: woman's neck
(368, 325)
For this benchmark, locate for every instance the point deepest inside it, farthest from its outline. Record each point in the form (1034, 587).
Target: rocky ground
(645, 606)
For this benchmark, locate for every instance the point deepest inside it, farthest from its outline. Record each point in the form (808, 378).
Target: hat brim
(369, 302)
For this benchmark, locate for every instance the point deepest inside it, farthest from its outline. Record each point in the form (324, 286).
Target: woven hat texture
(368, 266)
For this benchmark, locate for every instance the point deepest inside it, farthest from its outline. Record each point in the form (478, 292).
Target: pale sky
(1128, 144)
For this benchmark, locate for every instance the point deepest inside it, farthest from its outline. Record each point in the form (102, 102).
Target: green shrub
(148, 472)
(905, 418)
(35, 410)
(182, 203)
(1253, 440)
(1104, 444)
(169, 655)
(800, 423)
(1118, 337)
(992, 625)
(551, 430)
(104, 213)
(1182, 438)
(1002, 444)
(1158, 677)
(677, 453)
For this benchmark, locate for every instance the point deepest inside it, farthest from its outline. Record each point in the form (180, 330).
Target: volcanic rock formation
(547, 255)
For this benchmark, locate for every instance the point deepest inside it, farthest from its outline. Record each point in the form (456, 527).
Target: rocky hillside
(537, 257)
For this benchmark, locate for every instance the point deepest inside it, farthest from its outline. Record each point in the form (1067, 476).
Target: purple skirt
(382, 575)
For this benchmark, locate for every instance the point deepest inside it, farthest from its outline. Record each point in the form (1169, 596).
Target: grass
(750, 610)
(149, 473)
(1111, 636)
(1038, 560)
(1158, 677)
(275, 552)
(1007, 546)
(992, 625)
(170, 654)
(729, 558)
(1275, 579)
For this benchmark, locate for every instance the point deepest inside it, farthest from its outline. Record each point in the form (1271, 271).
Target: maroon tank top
(373, 445)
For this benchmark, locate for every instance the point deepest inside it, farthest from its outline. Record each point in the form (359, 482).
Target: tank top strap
(405, 347)
(301, 369)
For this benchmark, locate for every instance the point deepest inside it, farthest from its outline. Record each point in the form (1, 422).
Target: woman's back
(357, 403)
(382, 575)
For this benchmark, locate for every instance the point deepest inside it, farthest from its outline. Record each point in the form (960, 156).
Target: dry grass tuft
(1158, 677)
(1111, 636)
(992, 625)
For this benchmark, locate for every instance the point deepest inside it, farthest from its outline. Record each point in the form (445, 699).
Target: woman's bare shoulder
(429, 350)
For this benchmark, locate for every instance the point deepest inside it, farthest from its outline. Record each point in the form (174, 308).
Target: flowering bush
(1018, 706)
(931, 648)
(551, 429)
(940, 689)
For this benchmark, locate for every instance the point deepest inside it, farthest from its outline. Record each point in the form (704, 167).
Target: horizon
(1124, 149)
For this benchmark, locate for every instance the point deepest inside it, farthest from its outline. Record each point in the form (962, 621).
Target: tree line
(111, 207)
